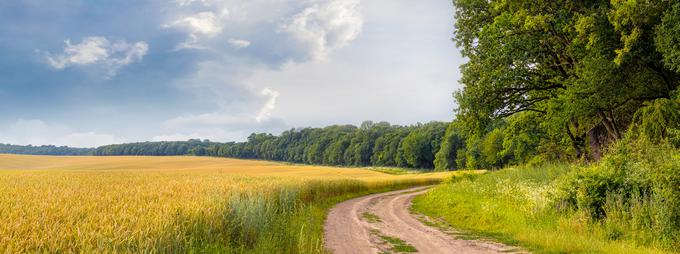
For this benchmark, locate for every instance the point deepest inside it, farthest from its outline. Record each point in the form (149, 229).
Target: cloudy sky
(88, 72)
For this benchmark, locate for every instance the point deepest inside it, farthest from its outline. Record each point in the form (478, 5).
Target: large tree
(581, 68)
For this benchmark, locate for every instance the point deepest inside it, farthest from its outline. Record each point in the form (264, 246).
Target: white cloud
(215, 134)
(238, 43)
(217, 126)
(88, 139)
(326, 26)
(210, 119)
(179, 137)
(37, 132)
(226, 125)
(189, 2)
(293, 54)
(98, 51)
(269, 106)
(229, 119)
(206, 24)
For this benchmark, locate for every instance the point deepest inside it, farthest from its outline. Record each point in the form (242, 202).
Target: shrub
(636, 186)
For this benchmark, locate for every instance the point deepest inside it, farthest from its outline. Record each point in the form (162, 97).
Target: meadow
(175, 204)
(626, 203)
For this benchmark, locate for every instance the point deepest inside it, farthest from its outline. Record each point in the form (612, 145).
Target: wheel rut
(383, 223)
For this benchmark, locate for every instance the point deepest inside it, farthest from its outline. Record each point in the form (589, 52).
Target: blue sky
(88, 73)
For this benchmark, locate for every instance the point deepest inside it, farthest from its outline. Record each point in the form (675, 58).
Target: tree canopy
(580, 70)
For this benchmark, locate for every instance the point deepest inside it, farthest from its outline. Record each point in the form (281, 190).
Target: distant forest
(371, 144)
(44, 150)
(162, 148)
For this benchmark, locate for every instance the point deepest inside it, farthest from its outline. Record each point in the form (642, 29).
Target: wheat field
(174, 204)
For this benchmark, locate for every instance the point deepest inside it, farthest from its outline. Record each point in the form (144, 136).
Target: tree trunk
(576, 141)
(610, 126)
(598, 139)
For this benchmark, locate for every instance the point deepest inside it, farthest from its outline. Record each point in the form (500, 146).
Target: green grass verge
(513, 206)
(294, 225)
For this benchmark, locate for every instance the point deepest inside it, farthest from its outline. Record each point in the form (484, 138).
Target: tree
(576, 66)
(453, 141)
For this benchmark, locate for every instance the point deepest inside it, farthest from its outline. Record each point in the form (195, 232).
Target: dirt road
(382, 223)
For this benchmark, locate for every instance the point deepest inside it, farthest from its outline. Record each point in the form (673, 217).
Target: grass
(175, 204)
(396, 171)
(371, 218)
(513, 206)
(396, 245)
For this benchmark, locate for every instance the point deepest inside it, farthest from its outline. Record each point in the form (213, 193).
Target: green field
(175, 204)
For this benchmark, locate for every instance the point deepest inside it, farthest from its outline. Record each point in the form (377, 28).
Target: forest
(44, 150)
(371, 144)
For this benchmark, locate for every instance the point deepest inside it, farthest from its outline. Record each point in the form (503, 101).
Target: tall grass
(145, 204)
(520, 206)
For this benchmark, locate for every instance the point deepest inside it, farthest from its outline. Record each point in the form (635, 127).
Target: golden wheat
(156, 204)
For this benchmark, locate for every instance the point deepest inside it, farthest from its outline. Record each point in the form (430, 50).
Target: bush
(635, 188)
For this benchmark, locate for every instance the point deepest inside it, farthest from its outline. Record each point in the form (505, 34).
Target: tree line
(421, 146)
(371, 144)
(44, 150)
(161, 148)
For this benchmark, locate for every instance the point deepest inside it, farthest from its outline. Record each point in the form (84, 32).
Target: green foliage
(564, 68)
(519, 206)
(421, 145)
(163, 148)
(372, 144)
(453, 142)
(492, 149)
(659, 120)
(634, 188)
(668, 37)
(44, 150)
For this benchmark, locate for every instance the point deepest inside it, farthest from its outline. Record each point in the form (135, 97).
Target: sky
(85, 73)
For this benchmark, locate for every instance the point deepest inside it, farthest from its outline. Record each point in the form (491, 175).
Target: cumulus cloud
(98, 51)
(269, 106)
(38, 132)
(238, 44)
(326, 26)
(205, 24)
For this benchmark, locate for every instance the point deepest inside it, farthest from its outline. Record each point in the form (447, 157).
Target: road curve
(382, 223)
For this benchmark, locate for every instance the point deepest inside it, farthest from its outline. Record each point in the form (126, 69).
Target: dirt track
(382, 223)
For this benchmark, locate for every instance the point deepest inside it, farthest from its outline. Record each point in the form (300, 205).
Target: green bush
(635, 188)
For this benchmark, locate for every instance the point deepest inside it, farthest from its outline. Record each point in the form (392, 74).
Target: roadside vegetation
(577, 103)
(627, 203)
(174, 204)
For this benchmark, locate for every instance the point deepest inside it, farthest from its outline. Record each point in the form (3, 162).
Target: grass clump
(628, 203)
(372, 218)
(396, 245)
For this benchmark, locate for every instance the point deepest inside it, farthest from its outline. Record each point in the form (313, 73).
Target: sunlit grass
(513, 206)
(173, 204)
